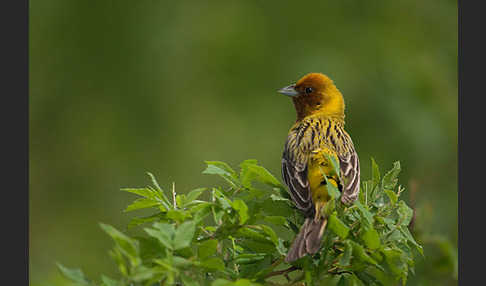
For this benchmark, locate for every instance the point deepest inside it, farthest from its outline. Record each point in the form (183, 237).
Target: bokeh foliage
(117, 87)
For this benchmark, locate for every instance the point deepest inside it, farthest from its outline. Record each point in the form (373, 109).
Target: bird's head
(315, 93)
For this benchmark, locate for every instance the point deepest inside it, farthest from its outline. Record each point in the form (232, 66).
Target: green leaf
(181, 262)
(365, 212)
(242, 210)
(404, 230)
(223, 170)
(160, 193)
(360, 254)
(250, 170)
(334, 163)
(184, 235)
(332, 190)
(128, 246)
(141, 204)
(247, 232)
(144, 192)
(194, 194)
(249, 258)
(207, 248)
(392, 196)
(213, 263)
(390, 179)
(395, 261)
(276, 220)
(221, 199)
(405, 213)
(163, 232)
(271, 233)
(75, 275)
(178, 215)
(188, 281)
(346, 255)
(141, 220)
(337, 226)
(200, 211)
(107, 281)
(375, 173)
(370, 237)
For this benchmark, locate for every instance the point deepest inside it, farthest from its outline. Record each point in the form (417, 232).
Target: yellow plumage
(317, 135)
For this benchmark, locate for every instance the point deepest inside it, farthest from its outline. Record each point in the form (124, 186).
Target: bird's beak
(288, 90)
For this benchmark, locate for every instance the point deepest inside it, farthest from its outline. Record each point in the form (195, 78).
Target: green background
(119, 88)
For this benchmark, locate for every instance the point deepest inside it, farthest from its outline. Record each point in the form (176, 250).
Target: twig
(174, 195)
(281, 272)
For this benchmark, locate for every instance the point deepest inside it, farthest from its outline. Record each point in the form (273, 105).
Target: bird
(317, 136)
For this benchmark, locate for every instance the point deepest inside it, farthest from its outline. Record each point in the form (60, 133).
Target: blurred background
(119, 88)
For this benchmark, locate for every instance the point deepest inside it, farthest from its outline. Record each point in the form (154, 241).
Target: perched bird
(317, 135)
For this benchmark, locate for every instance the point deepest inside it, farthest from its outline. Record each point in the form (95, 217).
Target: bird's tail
(308, 241)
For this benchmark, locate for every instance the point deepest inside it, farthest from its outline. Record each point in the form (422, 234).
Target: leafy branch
(240, 235)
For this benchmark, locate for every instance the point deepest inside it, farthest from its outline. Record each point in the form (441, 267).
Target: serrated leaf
(184, 235)
(207, 248)
(337, 226)
(75, 275)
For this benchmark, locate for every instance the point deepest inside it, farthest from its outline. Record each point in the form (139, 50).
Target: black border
(15, 132)
(471, 147)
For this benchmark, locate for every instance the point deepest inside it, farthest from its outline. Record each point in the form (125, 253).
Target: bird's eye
(308, 90)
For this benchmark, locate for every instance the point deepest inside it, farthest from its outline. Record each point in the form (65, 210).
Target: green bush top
(240, 235)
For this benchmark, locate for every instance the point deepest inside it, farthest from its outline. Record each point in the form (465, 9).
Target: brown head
(315, 93)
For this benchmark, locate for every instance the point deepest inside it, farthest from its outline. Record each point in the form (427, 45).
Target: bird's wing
(350, 173)
(295, 170)
(295, 177)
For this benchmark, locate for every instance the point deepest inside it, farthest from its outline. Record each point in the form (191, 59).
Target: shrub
(240, 235)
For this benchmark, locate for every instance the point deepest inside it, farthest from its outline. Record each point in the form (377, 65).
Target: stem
(174, 195)
(281, 272)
